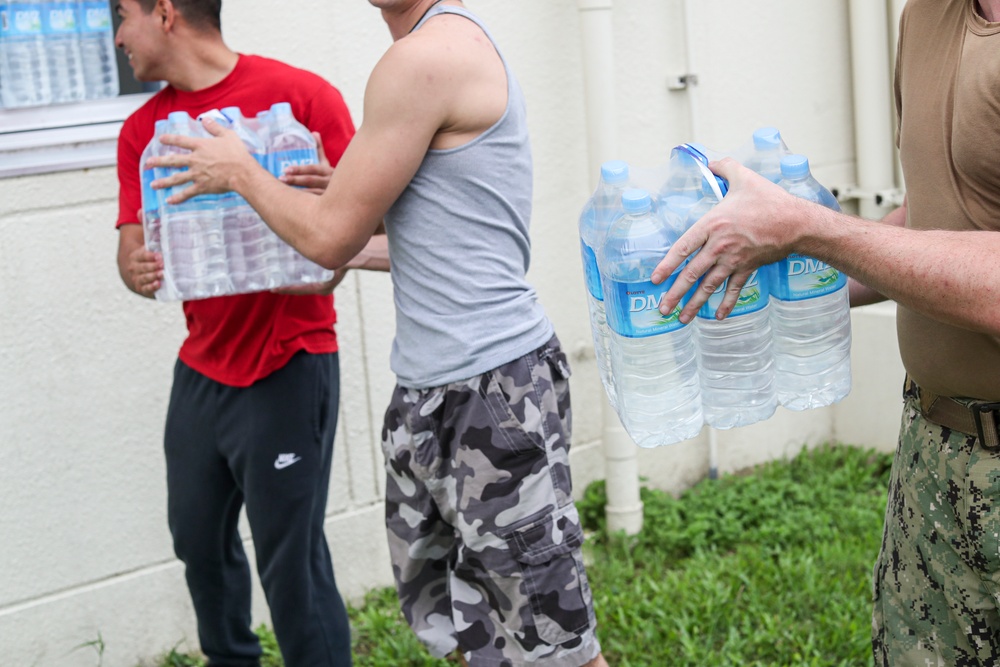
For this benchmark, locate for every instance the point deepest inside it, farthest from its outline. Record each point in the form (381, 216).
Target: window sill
(63, 138)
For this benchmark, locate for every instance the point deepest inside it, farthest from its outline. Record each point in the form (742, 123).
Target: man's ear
(166, 13)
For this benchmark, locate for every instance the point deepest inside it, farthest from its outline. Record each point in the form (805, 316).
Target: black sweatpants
(269, 446)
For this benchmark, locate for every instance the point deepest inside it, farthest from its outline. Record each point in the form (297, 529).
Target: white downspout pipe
(621, 470)
(870, 58)
(895, 11)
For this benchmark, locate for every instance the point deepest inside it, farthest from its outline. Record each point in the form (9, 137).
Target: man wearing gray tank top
(484, 536)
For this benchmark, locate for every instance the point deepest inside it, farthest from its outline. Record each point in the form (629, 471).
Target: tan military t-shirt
(948, 104)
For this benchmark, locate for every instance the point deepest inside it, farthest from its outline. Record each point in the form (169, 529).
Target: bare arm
(862, 295)
(140, 269)
(953, 277)
(373, 257)
(404, 108)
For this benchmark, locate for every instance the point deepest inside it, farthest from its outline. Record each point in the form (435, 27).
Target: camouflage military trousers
(936, 583)
(484, 537)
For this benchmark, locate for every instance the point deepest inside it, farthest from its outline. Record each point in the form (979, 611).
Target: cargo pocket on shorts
(548, 553)
(511, 429)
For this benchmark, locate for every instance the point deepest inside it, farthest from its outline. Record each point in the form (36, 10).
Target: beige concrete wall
(85, 366)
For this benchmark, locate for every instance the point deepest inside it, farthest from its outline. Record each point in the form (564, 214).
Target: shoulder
(432, 59)
(289, 75)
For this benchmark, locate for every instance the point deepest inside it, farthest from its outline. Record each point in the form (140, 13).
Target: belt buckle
(987, 429)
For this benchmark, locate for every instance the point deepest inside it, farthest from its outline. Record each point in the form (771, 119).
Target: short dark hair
(199, 13)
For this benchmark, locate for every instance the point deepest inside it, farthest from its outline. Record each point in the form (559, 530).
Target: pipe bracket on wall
(682, 82)
(890, 198)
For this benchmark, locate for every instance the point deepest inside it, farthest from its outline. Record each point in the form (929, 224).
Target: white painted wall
(85, 366)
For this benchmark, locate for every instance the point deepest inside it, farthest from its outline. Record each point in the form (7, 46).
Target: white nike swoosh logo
(284, 461)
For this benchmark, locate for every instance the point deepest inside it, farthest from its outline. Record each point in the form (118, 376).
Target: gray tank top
(459, 249)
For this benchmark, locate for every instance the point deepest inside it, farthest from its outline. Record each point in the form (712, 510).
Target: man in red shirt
(253, 408)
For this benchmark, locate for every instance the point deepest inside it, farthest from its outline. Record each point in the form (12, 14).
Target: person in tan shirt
(937, 578)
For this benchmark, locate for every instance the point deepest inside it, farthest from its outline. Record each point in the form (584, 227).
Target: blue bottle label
(799, 277)
(96, 17)
(591, 273)
(282, 160)
(59, 19)
(753, 297)
(150, 199)
(633, 309)
(20, 20)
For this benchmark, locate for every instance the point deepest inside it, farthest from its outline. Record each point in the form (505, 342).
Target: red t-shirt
(237, 340)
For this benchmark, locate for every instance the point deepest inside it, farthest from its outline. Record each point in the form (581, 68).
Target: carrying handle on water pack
(718, 184)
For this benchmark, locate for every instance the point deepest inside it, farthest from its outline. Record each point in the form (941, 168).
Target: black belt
(977, 418)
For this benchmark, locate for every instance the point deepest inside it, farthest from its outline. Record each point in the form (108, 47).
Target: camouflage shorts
(484, 536)
(936, 583)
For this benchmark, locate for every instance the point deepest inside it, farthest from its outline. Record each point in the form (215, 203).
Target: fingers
(727, 167)
(212, 127)
(185, 194)
(734, 287)
(306, 181)
(146, 269)
(320, 151)
(175, 179)
(302, 290)
(180, 141)
(324, 170)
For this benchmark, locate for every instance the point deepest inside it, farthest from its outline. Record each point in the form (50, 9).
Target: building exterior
(86, 366)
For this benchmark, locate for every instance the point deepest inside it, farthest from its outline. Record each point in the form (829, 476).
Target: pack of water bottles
(786, 342)
(55, 52)
(215, 245)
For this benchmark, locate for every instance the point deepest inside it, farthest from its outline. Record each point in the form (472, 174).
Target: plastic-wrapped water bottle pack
(786, 342)
(216, 245)
(56, 52)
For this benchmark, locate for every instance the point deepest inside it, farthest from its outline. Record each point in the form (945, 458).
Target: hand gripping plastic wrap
(786, 342)
(216, 245)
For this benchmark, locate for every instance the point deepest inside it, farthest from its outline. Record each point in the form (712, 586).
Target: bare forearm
(374, 256)
(950, 276)
(300, 218)
(863, 295)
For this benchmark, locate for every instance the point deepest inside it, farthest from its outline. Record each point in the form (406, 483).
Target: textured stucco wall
(85, 366)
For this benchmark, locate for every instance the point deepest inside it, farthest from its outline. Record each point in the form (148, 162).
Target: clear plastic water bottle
(97, 46)
(652, 356)
(684, 176)
(678, 208)
(290, 143)
(768, 149)
(24, 67)
(62, 48)
(152, 200)
(598, 214)
(735, 357)
(810, 313)
(192, 236)
(251, 253)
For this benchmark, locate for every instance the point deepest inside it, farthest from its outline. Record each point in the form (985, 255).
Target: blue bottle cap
(635, 200)
(282, 109)
(614, 172)
(794, 166)
(767, 138)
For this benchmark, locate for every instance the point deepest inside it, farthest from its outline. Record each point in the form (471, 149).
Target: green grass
(770, 567)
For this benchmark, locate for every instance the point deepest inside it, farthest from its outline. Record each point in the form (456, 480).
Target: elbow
(330, 257)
